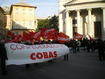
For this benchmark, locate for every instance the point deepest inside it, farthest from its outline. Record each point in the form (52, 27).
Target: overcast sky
(44, 7)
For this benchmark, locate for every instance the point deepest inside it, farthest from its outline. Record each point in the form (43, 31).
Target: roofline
(68, 4)
(21, 6)
(24, 6)
(2, 10)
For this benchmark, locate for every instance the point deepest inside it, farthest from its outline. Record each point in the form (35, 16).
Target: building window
(97, 29)
(74, 30)
(74, 21)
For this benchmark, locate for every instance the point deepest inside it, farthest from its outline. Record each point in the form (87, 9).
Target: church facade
(86, 17)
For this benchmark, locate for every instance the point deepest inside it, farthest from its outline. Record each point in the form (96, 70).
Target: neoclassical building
(86, 17)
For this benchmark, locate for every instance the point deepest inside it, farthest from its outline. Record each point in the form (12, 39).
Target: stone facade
(23, 17)
(86, 17)
(2, 20)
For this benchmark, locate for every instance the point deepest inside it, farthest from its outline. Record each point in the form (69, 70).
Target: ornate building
(86, 17)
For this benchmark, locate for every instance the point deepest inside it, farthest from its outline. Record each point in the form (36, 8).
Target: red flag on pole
(37, 36)
(50, 34)
(78, 36)
(25, 36)
(17, 38)
(10, 34)
(62, 38)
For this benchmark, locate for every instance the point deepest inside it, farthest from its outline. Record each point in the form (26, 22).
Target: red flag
(17, 38)
(62, 38)
(43, 30)
(31, 34)
(10, 34)
(78, 36)
(50, 34)
(90, 37)
(37, 36)
(25, 36)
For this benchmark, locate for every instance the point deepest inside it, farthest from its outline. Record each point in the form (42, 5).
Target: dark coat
(3, 53)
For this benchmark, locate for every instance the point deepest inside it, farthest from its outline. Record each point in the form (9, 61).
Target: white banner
(25, 54)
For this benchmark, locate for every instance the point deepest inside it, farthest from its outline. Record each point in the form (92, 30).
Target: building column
(89, 22)
(78, 20)
(103, 28)
(79, 27)
(69, 28)
(60, 22)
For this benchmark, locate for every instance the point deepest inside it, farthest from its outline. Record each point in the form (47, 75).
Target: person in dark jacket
(3, 58)
(100, 48)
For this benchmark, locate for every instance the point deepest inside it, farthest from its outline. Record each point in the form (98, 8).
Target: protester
(100, 45)
(66, 57)
(74, 46)
(88, 45)
(3, 57)
(78, 45)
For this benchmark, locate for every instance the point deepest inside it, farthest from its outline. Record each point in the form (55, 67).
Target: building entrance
(97, 29)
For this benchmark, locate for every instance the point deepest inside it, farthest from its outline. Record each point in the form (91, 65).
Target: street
(81, 65)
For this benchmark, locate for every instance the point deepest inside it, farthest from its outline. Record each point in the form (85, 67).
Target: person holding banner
(101, 50)
(3, 57)
(66, 56)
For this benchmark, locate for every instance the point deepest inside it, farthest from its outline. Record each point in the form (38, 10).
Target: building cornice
(71, 4)
(21, 5)
(25, 6)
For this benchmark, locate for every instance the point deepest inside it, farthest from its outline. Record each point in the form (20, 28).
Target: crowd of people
(75, 45)
(88, 46)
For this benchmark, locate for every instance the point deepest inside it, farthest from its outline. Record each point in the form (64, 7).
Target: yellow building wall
(2, 21)
(23, 17)
(8, 24)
